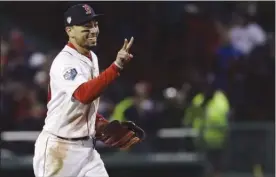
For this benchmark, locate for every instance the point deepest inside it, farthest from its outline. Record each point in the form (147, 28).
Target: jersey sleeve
(67, 74)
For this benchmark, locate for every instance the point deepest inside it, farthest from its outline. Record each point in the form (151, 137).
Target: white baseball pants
(55, 157)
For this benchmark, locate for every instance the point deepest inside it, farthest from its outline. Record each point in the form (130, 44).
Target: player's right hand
(123, 55)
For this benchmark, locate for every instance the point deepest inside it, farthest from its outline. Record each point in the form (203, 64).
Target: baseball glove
(120, 135)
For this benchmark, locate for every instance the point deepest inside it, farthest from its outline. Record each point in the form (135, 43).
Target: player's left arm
(89, 91)
(122, 135)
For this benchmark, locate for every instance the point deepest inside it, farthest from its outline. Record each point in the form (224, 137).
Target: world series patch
(70, 74)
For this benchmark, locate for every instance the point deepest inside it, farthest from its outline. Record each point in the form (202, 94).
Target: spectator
(245, 35)
(208, 116)
(173, 106)
(30, 111)
(139, 108)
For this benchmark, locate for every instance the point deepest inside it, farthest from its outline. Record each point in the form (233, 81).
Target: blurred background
(202, 85)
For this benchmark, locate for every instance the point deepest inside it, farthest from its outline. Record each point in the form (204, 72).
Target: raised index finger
(129, 44)
(125, 44)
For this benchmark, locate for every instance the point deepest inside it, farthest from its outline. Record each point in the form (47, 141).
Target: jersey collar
(89, 56)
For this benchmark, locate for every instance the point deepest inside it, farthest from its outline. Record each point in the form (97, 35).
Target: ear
(69, 31)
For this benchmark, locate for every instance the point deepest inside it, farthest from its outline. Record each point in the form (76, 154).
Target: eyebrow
(85, 30)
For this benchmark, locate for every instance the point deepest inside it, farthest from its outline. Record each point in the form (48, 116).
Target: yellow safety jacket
(120, 108)
(212, 121)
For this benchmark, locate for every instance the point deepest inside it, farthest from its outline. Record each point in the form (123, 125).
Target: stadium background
(178, 50)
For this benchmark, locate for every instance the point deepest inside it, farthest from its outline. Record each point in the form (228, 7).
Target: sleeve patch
(70, 74)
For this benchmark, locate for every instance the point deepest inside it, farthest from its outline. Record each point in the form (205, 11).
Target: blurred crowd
(179, 51)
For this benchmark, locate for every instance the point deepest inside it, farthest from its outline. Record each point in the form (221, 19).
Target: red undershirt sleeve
(99, 117)
(90, 90)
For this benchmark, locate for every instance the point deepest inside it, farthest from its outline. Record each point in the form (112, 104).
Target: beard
(89, 44)
(86, 43)
(89, 47)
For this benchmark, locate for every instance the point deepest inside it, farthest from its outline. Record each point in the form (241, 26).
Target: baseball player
(66, 145)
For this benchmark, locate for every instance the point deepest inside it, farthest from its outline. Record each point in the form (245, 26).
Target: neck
(80, 49)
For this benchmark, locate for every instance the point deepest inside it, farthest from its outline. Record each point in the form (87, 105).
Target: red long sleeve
(99, 117)
(89, 91)
(100, 124)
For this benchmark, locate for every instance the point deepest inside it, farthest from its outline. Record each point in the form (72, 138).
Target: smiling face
(85, 35)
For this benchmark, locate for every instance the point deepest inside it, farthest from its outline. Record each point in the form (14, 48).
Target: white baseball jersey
(66, 116)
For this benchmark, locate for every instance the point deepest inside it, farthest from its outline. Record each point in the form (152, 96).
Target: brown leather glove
(120, 135)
